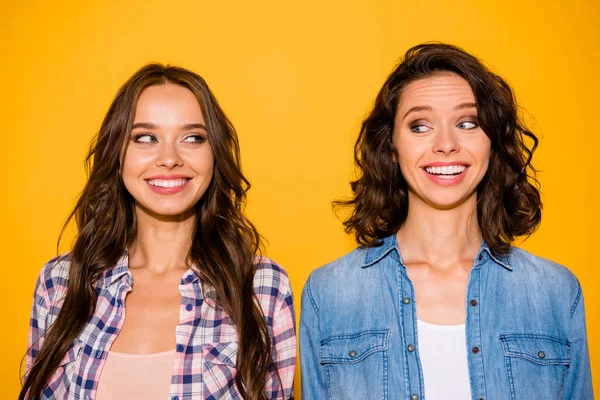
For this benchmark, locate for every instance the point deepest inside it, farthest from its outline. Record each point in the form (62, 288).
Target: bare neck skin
(162, 243)
(157, 261)
(440, 237)
(438, 248)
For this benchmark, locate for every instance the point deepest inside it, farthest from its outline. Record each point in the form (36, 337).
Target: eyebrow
(188, 127)
(185, 127)
(464, 105)
(417, 109)
(427, 108)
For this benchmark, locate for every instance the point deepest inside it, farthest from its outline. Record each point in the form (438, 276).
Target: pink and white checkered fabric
(207, 341)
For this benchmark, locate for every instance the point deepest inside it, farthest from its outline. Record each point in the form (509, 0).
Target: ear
(394, 152)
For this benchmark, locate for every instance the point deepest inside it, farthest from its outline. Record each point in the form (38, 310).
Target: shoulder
(524, 262)
(53, 280)
(336, 275)
(543, 273)
(270, 278)
(342, 268)
(348, 264)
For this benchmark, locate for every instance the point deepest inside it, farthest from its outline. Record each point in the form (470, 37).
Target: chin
(447, 201)
(174, 211)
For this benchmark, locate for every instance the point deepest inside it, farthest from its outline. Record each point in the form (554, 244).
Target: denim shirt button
(352, 353)
(541, 354)
(473, 303)
(411, 348)
(414, 397)
(406, 300)
(480, 257)
(475, 350)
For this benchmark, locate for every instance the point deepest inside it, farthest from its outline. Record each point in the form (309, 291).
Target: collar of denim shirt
(389, 244)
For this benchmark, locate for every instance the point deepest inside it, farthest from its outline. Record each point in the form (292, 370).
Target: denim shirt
(525, 329)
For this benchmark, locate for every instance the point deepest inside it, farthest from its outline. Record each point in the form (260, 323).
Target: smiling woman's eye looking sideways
(144, 138)
(467, 125)
(196, 138)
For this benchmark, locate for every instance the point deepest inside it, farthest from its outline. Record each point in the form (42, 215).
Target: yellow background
(296, 78)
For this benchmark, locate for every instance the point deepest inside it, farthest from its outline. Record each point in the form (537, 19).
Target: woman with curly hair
(436, 303)
(164, 294)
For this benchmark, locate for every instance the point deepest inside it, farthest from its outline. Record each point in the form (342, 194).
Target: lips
(448, 170)
(167, 182)
(167, 185)
(446, 174)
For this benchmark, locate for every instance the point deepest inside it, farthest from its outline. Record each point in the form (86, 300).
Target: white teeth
(167, 182)
(446, 170)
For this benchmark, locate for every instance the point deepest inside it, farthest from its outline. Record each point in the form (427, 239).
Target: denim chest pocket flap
(353, 348)
(539, 349)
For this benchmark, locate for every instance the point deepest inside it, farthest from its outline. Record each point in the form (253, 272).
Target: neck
(162, 243)
(440, 237)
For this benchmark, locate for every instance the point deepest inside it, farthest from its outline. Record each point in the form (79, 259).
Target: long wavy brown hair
(508, 199)
(225, 243)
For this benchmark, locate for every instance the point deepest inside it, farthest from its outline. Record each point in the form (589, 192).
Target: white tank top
(136, 376)
(443, 355)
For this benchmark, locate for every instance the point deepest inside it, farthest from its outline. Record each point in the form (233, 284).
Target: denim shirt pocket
(356, 364)
(219, 370)
(536, 364)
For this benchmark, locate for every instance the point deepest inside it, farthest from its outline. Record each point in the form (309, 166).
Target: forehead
(438, 92)
(168, 103)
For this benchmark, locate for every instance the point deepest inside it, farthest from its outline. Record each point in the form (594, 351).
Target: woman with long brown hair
(164, 294)
(436, 303)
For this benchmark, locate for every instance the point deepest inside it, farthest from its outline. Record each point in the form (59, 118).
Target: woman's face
(169, 161)
(442, 151)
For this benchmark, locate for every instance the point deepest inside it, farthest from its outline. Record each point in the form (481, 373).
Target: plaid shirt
(207, 340)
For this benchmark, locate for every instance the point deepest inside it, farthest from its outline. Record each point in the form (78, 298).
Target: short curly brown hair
(508, 199)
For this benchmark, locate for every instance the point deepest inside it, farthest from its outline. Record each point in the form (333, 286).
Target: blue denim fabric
(525, 329)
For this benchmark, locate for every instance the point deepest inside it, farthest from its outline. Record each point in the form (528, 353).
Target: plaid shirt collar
(121, 269)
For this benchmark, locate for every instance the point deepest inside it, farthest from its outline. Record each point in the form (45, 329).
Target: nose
(168, 156)
(444, 142)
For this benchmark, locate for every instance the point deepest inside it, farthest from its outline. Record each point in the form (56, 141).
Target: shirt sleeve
(37, 321)
(313, 377)
(284, 350)
(578, 379)
(278, 305)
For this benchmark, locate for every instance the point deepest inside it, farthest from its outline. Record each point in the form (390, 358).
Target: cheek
(129, 176)
(202, 162)
(483, 150)
(409, 152)
(478, 145)
(135, 163)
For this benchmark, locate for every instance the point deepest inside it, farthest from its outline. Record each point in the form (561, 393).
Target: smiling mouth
(447, 171)
(168, 183)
